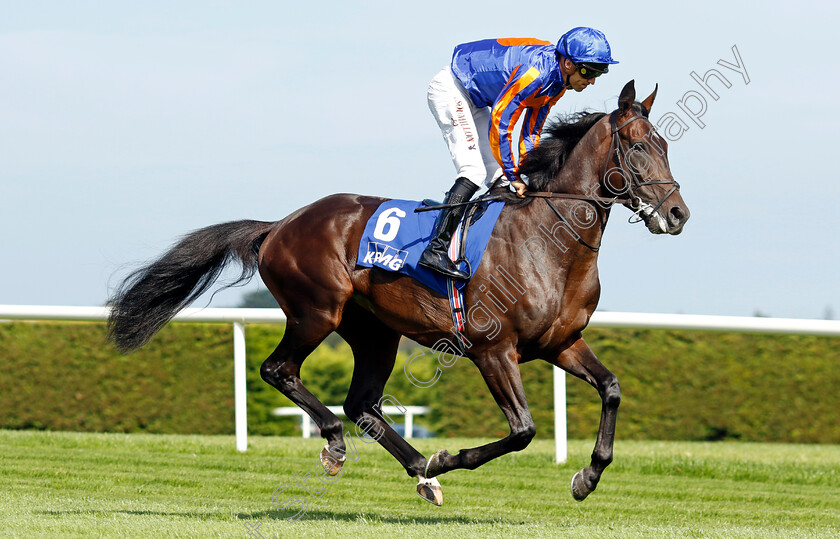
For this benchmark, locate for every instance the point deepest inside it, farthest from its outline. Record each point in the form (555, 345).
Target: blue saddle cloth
(395, 237)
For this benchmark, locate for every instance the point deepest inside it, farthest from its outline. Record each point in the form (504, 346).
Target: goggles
(588, 71)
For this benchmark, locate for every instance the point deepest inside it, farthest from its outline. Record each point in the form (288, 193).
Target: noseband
(634, 201)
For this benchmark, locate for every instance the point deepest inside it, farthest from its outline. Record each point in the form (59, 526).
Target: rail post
(239, 387)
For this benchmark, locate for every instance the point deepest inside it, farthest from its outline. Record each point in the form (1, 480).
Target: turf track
(112, 485)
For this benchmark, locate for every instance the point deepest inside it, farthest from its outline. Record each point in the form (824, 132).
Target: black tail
(152, 295)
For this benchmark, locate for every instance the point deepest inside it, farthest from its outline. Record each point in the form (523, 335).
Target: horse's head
(637, 171)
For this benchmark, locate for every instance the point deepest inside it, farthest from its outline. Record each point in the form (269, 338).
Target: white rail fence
(239, 317)
(306, 423)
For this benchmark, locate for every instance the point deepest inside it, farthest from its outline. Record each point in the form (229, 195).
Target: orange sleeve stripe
(526, 130)
(498, 109)
(513, 119)
(533, 123)
(516, 41)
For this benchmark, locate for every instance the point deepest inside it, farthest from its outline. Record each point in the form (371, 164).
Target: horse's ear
(627, 96)
(648, 102)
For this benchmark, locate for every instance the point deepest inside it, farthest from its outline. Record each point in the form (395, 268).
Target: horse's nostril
(677, 213)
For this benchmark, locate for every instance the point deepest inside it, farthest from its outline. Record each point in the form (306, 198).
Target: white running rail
(306, 422)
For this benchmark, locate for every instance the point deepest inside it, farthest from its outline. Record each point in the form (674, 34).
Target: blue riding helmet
(583, 44)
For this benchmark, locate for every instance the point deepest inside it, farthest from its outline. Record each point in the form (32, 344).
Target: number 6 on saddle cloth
(395, 237)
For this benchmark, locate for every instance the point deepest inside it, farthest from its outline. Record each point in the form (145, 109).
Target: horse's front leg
(500, 369)
(580, 361)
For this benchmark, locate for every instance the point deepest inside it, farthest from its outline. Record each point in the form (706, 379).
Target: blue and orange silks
(511, 76)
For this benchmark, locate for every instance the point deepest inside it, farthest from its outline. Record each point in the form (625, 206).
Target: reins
(588, 198)
(592, 199)
(633, 201)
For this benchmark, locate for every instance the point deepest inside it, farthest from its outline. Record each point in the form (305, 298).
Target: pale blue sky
(125, 124)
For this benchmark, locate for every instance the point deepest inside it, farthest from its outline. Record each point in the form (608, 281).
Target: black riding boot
(435, 257)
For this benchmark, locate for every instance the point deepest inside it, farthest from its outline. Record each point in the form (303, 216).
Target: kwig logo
(385, 256)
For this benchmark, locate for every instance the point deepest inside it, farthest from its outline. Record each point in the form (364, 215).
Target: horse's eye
(637, 147)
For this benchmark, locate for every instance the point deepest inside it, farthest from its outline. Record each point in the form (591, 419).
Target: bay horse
(532, 295)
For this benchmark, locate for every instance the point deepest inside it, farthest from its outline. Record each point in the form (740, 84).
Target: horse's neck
(580, 174)
(578, 179)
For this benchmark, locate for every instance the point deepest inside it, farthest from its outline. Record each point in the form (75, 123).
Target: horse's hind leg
(580, 361)
(282, 370)
(374, 348)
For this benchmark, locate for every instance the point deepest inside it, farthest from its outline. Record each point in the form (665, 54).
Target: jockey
(477, 101)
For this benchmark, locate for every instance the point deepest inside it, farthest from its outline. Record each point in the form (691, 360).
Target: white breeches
(465, 129)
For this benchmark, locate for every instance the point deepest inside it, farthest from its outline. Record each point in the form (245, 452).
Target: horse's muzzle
(676, 217)
(660, 222)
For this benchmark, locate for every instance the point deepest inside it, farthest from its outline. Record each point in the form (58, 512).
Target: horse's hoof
(330, 463)
(434, 466)
(429, 490)
(579, 489)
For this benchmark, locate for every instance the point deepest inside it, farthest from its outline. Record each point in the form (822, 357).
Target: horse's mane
(543, 163)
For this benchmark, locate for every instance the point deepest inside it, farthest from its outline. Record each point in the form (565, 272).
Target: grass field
(58, 484)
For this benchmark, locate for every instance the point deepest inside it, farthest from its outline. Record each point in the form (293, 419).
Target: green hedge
(675, 385)
(64, 377)
(678, 386)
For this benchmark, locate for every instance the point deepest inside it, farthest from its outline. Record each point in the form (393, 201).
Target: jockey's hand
(520, 187)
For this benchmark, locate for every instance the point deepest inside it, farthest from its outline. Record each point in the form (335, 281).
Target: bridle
(634, 202)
